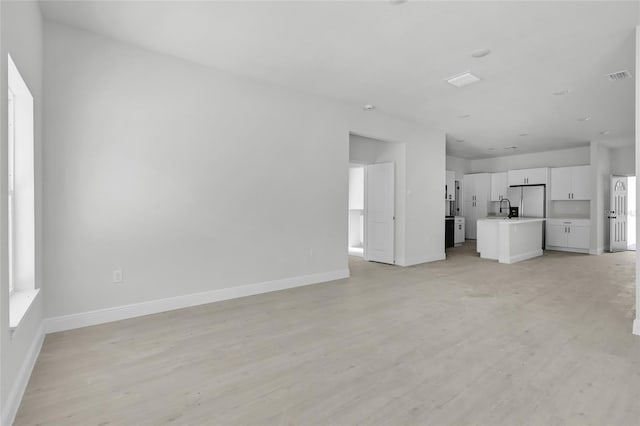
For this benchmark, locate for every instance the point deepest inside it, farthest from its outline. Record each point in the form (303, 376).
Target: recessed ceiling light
(464, 116)
(492, 149)
(459, 140)
(584, 118)
(480, 53)
(368, 107)
(511, 147)
(464, 79)
(523, 134)
(562, 92)
(605, 132)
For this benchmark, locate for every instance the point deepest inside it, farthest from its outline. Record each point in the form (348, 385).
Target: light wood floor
(462, 341)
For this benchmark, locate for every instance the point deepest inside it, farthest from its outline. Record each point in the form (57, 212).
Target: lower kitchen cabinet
(568, 235)
(458, 233)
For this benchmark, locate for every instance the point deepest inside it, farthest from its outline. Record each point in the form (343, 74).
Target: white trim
(636, 326)
(520, 257)
(20, 385)
(19, 304)
(356, 252)
(422, 259)
(597, 252)
(570, 250)
(101, 316)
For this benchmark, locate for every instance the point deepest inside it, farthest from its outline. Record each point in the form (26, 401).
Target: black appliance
(449, 230)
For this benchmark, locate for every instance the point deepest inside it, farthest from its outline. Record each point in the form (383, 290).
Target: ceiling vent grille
(620, 75)
(463, 79)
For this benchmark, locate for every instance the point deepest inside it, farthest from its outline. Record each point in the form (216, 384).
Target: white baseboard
(522, 256)
(597, 252)
(570, 250)
(14, 398)
(636, 326)
(85, 319)
(425, 259)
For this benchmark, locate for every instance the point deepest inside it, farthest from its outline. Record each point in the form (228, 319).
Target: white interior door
(380, 212)
(618, 214)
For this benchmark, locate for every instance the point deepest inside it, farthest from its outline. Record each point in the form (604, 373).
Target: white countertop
(568, 218)
(515, 220)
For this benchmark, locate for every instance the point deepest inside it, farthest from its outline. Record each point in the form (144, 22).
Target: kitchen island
(510, 240)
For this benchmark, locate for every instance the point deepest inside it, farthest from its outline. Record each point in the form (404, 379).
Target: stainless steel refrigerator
(530, 200)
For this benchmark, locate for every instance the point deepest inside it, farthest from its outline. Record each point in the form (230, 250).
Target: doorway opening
(372, 202)
(356, 210)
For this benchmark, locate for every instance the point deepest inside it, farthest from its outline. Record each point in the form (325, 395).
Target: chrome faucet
(508, 203)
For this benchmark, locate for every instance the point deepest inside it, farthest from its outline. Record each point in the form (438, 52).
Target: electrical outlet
(117, 276)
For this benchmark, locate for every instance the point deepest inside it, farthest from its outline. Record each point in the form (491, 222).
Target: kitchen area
(454, 221)
(514, 215)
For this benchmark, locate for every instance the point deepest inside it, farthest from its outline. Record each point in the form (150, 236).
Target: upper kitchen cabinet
(499, 186)
(477, 187)
(570, 183)
(539, 176)
(450, 188)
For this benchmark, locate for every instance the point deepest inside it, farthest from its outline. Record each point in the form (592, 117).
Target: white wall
(461, 166)
(188, 179)
(193, 180)
(559, 158)
(364, 150)
(636, 323)
(601, 165)
(21, 36)
(632, 212)
(623, 161)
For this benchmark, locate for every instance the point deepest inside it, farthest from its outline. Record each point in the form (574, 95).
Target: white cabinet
(581, 183)
(556, 235)
(450, 186)
(568, 235)
(473, 210)
(458, 232)
(477, 192)
(477, 187)
(561, 183)
(578, 237)
(499, 186)
(537, 176)
(571, 183)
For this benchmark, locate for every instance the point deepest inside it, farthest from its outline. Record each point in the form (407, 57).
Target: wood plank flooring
(463, 341)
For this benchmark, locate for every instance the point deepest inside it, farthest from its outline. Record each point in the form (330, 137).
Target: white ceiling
(397, 56)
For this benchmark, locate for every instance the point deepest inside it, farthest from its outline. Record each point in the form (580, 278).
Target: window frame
(11, 189)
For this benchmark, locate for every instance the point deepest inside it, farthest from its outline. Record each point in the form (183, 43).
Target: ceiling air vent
(620, 75)
(463, 79)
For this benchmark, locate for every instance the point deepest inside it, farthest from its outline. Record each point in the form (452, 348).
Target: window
(20, 197)
(11, 170)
